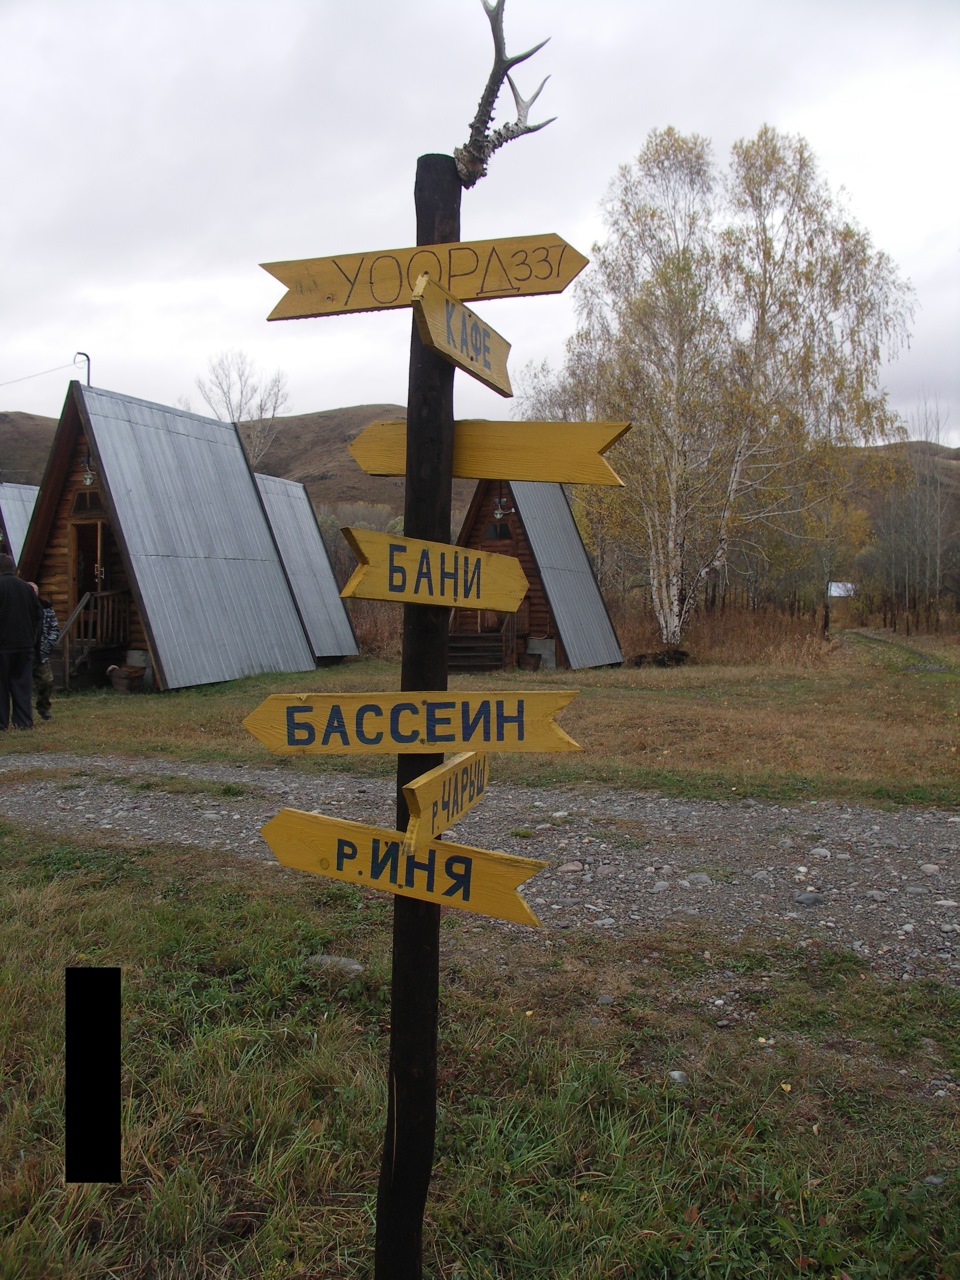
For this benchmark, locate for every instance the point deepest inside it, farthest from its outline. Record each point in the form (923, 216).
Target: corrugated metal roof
(215, 598)
(582, 619)
(16, 507)
(308, 566)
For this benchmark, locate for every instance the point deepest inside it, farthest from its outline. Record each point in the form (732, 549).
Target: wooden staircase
(481, 651)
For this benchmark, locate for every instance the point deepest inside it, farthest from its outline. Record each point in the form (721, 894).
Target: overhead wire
(41, 374)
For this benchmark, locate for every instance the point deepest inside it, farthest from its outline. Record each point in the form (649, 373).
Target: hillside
(313, 448)
(25, 440)
(309, 447)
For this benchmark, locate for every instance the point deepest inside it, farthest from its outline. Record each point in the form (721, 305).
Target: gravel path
(886, 884)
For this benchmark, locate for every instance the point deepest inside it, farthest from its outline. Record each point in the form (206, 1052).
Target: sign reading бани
(380, 723)
(416, 572)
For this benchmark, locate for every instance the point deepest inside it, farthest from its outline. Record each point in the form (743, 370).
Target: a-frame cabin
(562, 621)
(150, 539)
(16, 507)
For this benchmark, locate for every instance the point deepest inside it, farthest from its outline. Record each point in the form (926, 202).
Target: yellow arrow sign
(411, 571)
(440, 797)
(452, 875)
(459, 335)
(510, 268)
(563, 452)
(378, 723)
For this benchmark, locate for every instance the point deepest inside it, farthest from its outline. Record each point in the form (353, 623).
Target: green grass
(254, 1082)
(253, 1097)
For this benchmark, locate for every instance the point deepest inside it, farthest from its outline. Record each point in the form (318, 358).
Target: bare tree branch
(472, 158)
(237, 392)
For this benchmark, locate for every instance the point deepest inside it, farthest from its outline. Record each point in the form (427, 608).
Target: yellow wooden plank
(512, 267)
(563, 452)
(459, 335)
(415, 721)
(452, 875)
(412, 571)
(439, 798)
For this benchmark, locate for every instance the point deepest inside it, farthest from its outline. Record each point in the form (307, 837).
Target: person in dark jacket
(20, 620)
(42, 671)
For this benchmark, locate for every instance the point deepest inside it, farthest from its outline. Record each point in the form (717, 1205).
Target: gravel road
(884, 883)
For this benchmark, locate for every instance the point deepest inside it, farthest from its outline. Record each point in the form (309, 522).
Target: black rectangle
(92, 1075)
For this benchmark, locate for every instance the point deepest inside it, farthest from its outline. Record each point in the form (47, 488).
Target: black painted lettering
(481, 719)
(396, 573)
(388, 859)
(462, 261)
(424, 574)
(413, 866)
(435, 721)
(459, 871)
(523, 270)
(450, 576)
(396, 733)
(496, 278)
(351, 280)
(335, 726)
(299, 733)
(471, 581)
(503, 719)
(386, 283)
(424, 262)
(368, 739)
(346, 852)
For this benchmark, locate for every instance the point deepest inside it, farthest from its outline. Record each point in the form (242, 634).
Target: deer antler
(472, 158)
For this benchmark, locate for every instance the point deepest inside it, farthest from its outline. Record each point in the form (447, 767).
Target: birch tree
(236, 391)
(734, 319)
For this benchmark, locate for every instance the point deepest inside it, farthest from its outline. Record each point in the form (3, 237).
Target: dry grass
(765, 636)
(378, 628)
(864, 718)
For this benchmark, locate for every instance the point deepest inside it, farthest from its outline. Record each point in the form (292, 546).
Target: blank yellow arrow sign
(415, 572)
(513, 267)
(459, 335)
(380, 723)
(563, 452)
(451, 875)
(439, 798)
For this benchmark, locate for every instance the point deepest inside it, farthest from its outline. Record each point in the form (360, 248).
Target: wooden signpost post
(561, 452)
(420, 568)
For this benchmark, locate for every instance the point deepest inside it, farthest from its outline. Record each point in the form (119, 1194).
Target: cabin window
(497, 529)
(86, 502)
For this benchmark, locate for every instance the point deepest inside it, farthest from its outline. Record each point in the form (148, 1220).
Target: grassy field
(805, 1140)
(863, 719)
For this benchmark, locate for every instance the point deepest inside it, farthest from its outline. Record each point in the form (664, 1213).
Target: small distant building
(16, 507)
(562, 621)
(842, 590)
(151, 540)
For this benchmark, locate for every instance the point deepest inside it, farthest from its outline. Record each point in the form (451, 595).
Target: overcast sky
(156, 151)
